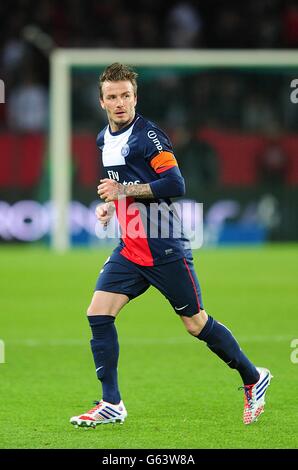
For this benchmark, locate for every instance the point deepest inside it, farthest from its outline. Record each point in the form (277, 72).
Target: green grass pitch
(178, 394)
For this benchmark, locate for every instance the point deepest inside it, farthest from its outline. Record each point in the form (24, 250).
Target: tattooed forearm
(138, 190)
(111, 206)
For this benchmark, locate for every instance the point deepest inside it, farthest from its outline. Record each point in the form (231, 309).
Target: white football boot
(102, 413)
(254, 396)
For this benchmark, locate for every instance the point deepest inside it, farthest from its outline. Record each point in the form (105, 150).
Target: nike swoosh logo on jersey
(181, 308)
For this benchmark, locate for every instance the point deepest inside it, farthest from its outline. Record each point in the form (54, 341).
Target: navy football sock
(221, 341)
(105, 349)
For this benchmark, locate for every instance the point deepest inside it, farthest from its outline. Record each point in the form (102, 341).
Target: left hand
(109, 190)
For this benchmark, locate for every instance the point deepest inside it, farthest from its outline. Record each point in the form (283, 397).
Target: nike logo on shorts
(181, 308)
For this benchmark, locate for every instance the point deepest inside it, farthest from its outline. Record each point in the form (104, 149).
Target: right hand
(104, 212)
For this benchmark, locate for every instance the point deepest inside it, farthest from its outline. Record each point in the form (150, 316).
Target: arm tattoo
(142, 191)
(111, 207)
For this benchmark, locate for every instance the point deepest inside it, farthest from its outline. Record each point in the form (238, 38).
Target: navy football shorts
(176, 280)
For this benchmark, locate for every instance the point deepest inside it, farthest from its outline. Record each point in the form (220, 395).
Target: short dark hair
(118, 72)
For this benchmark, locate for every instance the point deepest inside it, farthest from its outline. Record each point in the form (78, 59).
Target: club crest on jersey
(125, 150)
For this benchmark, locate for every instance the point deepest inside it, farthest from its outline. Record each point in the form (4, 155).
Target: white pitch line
(143, 341)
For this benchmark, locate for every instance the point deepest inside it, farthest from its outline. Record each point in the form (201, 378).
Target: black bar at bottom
(134, 458)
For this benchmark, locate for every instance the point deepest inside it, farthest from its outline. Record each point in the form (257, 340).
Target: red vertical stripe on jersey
(136, 247)
(193, 283)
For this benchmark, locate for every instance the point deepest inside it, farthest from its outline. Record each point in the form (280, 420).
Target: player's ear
(102, 103)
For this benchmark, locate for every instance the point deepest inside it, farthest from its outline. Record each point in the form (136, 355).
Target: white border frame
(61, 62)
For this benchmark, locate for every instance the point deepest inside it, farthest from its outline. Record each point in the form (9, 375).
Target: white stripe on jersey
(113, 144)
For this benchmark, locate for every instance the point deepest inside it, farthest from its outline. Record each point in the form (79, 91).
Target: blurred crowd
(30, 30)
(254, 101)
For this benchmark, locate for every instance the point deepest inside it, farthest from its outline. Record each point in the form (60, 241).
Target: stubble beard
(120, 124)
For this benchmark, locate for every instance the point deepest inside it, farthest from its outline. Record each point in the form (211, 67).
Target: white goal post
(61, 63)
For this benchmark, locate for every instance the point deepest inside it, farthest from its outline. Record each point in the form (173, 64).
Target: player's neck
(114, 127)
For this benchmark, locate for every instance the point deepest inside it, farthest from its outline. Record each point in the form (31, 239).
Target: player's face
(119, 102)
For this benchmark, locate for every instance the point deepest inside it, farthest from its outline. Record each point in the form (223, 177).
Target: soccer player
(141, 169)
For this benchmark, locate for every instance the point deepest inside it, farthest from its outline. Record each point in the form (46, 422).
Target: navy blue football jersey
(137, 154)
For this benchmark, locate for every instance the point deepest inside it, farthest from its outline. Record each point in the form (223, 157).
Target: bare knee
(96, 307)
(106, 303)
(100, 308)
(196, 323)
(92, 310)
